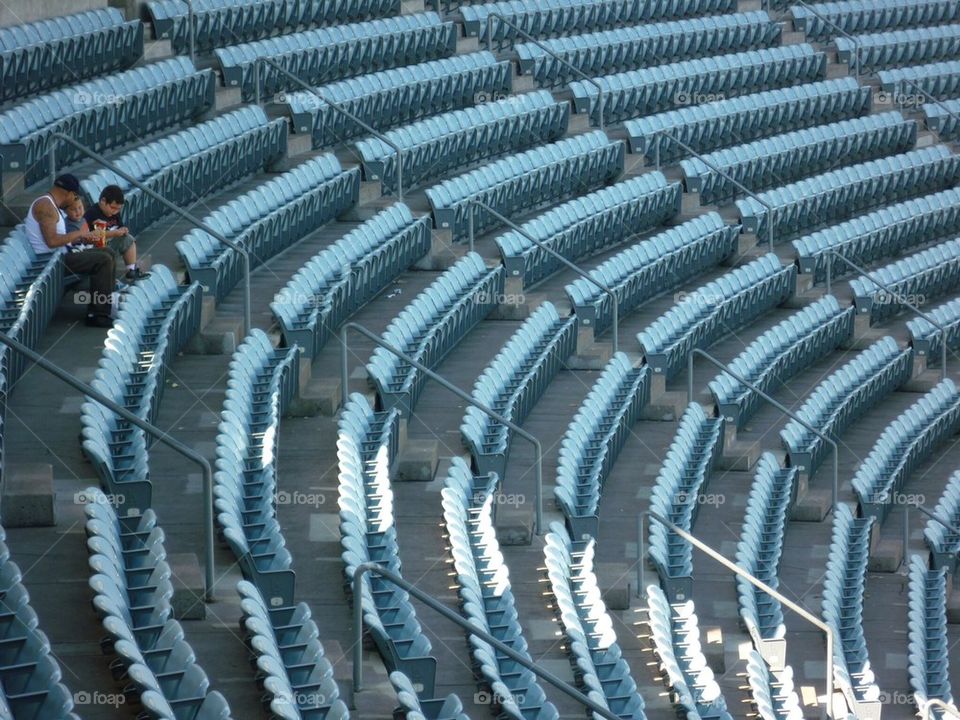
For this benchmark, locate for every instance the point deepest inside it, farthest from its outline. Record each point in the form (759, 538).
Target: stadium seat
(895, 48)
(772, 693)
(926, 340)
(944, 544)
(412, 706)
(941, 118)
(941, 80)
(830, 19)
(928, 655)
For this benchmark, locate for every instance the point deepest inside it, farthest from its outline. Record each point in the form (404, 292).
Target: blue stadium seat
(595, 437)
(928, 655)
(624, 48)
(940, 117)
(926, 340)
(709, 126)
(412, 706)
(715, 309)
(327, 54)
(341, 278)
(652, 266)
(829, 19)
(941, 80)
(903, 445)
(896, 48)
(781, 352)
(887, 232)
(682, 479)
(48, 53)
(772, 693)
(513, 382)
(102, 114)
(595, 655)
(193, 163)
(654, 89)
(841, 398)
(432, 147)
(526, 181)
(844, 192)
(944, 544)
(584, 225)
(392, 97)
(430, 326)
(782, 158)
(267, 220)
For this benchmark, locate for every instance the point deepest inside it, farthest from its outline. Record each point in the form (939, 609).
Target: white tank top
(32, 227)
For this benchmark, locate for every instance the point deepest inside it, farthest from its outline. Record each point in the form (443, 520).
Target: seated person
(75, 221)
(104, 217)
(46, 229)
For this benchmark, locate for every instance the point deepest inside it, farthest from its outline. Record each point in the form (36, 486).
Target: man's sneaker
(134, 275)
(99, 321)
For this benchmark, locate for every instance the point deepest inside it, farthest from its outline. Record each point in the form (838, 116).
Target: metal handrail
(936, 101)
(471, 629)
(831, 253)
(840, 31)
(733, 567)
(937, 702)
(726, 176)
(199, 224)
(530, 38)
(151, 430)
(335, 105)
(579, 271)
(790, 414)
(447, 385)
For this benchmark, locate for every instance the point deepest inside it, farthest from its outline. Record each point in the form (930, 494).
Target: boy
(75, 220)
(104, 218)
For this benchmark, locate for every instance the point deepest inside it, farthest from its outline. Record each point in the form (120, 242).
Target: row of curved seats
(192, 163)
(391, 97)
(155, 320)
(772, 693)
(101, 114)
(486, 599)
(48, 53)
(261, 383)
(928, 652)
(430, 148)
(219, 22)
(526, 181)
(847, 191)
(759, 552)
(343, 277)
(366, 446)
(430, 326)
(843, 592)
(651, 267)
(682, 479)
(327, 54)
(903, 445)
(133, 591)
(267, 220)
(715, 309)
(289, 659)
(877, 51)
(925, 274)
(587, 224)
(563, 17)
(31, 287)
(413, 707)
(624, 48)
(776, 160)
(927, 340)
(942, 118)
(595, 656)
(944, 544)
(709, 126)
(882, 233)
(841, 398)
(643, 92)
(778, 354)
(675, 635)
(941, 80)
(594, 438)
(830, 19)
(513, 382)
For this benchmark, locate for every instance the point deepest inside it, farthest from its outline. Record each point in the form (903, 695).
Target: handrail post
(840, 31)
(470, 628)
(192, 35)
(447, 385)
(343, 111)
(530, 38)
(726, 369)
(236, 247)
(726, 176)
(151, 430)
(903, 301)
(759, 584)
(546, 248)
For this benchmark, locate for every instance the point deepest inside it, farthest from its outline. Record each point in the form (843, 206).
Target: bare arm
(48, 217)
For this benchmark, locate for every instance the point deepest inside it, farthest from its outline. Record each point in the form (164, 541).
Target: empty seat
(413, 706)
(927, 340)
(913, 85)
(900, 47)
(944, 544)
(928, 652)
(941, 118)
(830, 19)
(772, 693)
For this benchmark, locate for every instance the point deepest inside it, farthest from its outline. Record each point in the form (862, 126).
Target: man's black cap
(67, 182)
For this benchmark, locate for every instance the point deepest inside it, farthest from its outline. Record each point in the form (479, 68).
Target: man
(105, 217)
(46, 229)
